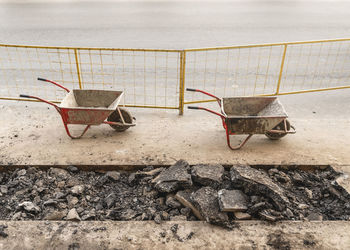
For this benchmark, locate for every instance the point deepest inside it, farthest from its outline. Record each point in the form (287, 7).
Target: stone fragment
(242, 216)
(303, 206)
(343, 181)
(184, 197)
(257, 181)
(289, 213)
(172, 202)
(77, 190)
(59, 172)
(59, 195)
(132, 179)
(72, 200)
(113, 175)
(29, 207)
(173, 178)
(128, 214)
(165, 215)
(89, 215)
(208, 175)
(3, 189)
(185, 211)
(157, 219)
(297, 178)
(152, 172)
(266, 216)
(178, 218)
(110, 200)
(206, 201)
(21, 172)
(17, 216)
(50, 202)
(308, 193)
(232, 200)
(55, 215)
(315, 217)
(279, 176)
(73, 169)
(73, 215)
(256, 208)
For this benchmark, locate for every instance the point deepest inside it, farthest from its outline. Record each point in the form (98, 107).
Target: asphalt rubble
(180, 192)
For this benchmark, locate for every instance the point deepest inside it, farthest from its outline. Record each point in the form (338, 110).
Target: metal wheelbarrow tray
(251, 115)
(90, 107)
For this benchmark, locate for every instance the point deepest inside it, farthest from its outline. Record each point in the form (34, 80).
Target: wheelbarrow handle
(206, 93)
(55, 83)
(42, 100)
(189, 89)
(208, 110)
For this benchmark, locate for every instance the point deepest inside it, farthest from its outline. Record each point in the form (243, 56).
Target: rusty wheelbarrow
(251, 115)
(90, 107)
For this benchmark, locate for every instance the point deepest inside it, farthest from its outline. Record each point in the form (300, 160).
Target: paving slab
(32, 133)
(173, 235)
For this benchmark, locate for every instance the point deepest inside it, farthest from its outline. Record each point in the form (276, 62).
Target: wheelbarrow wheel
(280, 126)
(115, 117)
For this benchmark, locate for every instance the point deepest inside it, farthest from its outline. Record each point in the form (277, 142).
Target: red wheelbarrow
(251, 115)
(90, 107)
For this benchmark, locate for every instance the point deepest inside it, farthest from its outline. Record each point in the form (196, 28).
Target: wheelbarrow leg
(75, 137)
(240, 145)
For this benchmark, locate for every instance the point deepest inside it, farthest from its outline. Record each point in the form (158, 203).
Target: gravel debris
(179, 192)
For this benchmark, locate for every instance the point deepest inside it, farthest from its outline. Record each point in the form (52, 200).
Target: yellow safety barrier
(268, 69)
(149, 78)
(156, 78)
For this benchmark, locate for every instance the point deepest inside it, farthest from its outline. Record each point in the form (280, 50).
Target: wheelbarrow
(251, 115)
(90, 107)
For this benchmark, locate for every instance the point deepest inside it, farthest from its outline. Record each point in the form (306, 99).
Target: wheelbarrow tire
(280, 126)
(115, 117)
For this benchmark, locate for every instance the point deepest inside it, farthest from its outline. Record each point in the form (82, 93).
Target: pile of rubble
(180, 192)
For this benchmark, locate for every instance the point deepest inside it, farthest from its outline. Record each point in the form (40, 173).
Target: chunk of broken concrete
(173, 178)
(315, 217)
(59, 172)
(258, 182)
(266, 216)
(113, 175)
(172, 202)
(242, 216)
(77, 190)
(55, 215)
(73, 215)
(206, 201)
(29, 207)
(232, 200)
(184, 197)
(208, 175)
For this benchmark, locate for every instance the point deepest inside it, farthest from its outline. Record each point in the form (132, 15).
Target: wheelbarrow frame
(226, 121)
(64, 112)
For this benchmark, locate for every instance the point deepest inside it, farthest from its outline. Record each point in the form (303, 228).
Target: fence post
(182, 82)
(281, 70)
(78, 67)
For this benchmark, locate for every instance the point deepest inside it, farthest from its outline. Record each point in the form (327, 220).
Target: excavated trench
(214, 193)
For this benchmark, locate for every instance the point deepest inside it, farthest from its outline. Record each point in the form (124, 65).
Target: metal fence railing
(268, 69)
(157, 78)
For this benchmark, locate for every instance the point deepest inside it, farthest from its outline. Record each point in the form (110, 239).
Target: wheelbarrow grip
(189, 89)
(25, 96)
(55, 83)
(193, 107)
